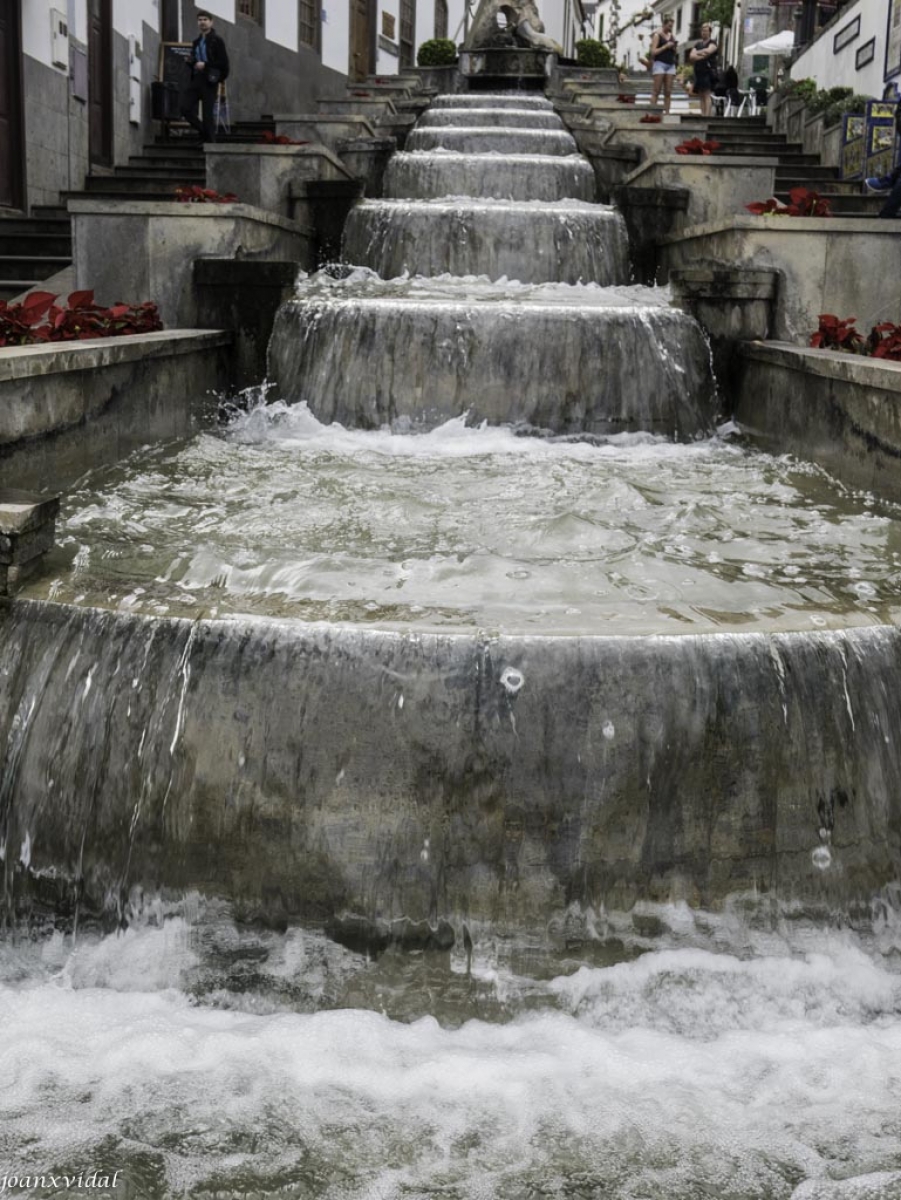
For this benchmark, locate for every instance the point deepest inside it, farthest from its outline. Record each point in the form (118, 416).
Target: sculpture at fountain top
(522, 21)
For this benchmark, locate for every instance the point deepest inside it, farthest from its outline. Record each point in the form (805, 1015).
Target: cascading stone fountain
(567, 242)
(516, 355)
(479, 139)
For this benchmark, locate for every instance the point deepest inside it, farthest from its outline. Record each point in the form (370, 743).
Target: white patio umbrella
(779, 43)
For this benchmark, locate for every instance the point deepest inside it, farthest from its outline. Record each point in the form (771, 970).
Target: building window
(252, 9)
(440, 18)
(407, 33)
(309, 23)
(679, 21)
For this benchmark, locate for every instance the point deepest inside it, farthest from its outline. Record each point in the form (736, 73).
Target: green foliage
(717, 12)
(592, 53)
(803, 89)
(848, 104)
(827, 97)
(438, 52)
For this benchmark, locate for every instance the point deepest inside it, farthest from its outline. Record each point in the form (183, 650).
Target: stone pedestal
(145, 250)
(262, 176)
(733, 305)
(27, 529)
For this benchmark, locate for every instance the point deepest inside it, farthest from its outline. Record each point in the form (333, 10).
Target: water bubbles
(512, 680)
(821, 858)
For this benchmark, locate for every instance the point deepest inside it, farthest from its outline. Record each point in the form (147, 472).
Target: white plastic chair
(736, 103)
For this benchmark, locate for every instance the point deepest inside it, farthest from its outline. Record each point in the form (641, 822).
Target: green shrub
(439, 52)
(839, 108)
(804, 89)
(592, 53)
(825, 99)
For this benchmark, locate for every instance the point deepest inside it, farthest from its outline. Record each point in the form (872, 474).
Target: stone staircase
(32, 249)
(164, 165)
(745, 136)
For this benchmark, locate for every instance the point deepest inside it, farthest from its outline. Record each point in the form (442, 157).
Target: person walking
(209, 68)
(703, 55)
(663, 64)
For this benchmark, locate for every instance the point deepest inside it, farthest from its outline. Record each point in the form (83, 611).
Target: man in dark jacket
(209, 68)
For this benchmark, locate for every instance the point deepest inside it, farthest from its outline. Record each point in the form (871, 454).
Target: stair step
(146, 185)
(16, 266)
(821, 173)
(111, 194)
(170, 162)
(25, 237)
(176, 171)
(844, 202)
(50, 212)
(10, 288)
(832, 187)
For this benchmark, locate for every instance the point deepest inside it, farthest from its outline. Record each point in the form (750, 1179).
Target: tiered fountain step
(561, 359)
(427, 176)
(479, 139)
(567, 242)
(491, 115)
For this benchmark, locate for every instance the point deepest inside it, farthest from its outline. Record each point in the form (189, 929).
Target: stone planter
(796, 116)
(322, 127)
(831, 146)
(366, 160)
(69, 406)
(837, 410)
(263, 176)
(443, 80)
(145, 250)
(718, 186)
(848, 266)
(812, 134)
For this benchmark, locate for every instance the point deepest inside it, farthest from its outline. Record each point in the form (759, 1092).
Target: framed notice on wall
(893, 40)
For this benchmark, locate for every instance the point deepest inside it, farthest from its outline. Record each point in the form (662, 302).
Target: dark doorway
(361, 41)
(100, 82)
(169, 20)
(12, 173)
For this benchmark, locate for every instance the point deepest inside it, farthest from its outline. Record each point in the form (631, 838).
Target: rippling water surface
(476, 528)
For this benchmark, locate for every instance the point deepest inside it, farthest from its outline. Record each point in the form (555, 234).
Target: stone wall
(56, 134)
(838, 410)
(69, 407)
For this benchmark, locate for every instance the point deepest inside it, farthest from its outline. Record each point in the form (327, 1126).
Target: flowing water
(475, 528)
(718, 1060)
(164, 1040)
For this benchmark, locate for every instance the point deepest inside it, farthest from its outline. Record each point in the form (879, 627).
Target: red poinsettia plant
(696, 146)
(650, 119)
(625, 98)
(38, 318)
(836, 333)
(193, 193)
(268, 138)
(803, 203)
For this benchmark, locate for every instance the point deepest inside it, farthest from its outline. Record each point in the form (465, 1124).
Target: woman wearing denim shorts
(663, 63)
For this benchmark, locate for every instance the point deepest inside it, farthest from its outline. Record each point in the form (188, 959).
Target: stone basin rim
(379, 634)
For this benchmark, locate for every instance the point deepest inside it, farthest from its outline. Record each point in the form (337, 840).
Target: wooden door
(12, 171)
(360, 63)
(100, 82)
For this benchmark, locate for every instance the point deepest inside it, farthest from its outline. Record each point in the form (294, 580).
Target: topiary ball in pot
(438, 52)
